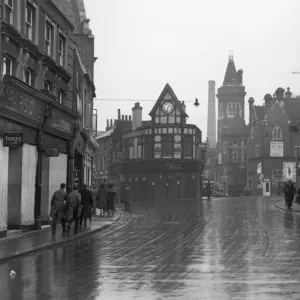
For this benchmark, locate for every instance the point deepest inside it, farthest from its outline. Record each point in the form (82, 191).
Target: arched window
(277, 133)
(229, 109)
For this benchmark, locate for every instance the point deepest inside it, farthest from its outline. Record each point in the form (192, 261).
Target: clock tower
(168, 110)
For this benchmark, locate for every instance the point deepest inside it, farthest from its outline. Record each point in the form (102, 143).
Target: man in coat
(87, 204)
(58, 208)
(73, 208)
(127, 196)
(94, 196)
(289, 193)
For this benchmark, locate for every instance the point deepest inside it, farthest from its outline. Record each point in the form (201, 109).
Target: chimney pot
(126, 118)
(123, 117)
(129, 118)
(119, 114)
(111, 123)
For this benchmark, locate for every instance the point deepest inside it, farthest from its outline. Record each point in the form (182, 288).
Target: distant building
(162, 158)
(232, 133)
(273, 150)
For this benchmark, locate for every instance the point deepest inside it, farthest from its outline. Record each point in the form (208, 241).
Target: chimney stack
(211, 115)
(122, 117)
(183, 105)
(111, 124)
(250, 101)
(126, 118)
(136, 116)
(130, 118)
(119, 114)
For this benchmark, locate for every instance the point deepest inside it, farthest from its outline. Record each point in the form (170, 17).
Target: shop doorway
(78, 167)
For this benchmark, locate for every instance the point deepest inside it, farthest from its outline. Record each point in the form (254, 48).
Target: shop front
(35, 131)
(164, 180)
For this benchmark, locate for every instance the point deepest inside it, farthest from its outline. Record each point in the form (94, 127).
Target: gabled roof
(231, 77)
(259, 112)
(106, 134)
(237, 125)
(277, 105)
(291, 108)
(168, 89)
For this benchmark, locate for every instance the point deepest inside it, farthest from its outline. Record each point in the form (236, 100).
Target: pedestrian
(289, 193)
(87, 204)
(102, 199)
(73, 208)
(58, 208)
(111, 199)
(94, 196)
(208, 190)
(127, 197)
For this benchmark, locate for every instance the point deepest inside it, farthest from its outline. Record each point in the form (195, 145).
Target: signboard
(120, 156)
(289, 171)
(258, 168)
(61, 121)
(14, 139)
(276, 149)
(25, 104)
(51, 152)
(220, 158)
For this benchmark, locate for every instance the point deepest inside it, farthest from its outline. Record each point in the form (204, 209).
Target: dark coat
(58, 204)
(127, 195)
(102, 199)
(289, 191)
(73, 205)
(87, 203)
(111, 199)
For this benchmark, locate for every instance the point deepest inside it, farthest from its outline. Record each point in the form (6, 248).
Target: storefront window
(188, 147)
(167, 146)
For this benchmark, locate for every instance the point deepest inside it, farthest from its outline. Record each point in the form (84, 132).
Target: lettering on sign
(61, 121)
(173, 166)
(12, 139)
(25, 105)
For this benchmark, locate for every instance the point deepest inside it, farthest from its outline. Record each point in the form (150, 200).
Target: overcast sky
(143, 44)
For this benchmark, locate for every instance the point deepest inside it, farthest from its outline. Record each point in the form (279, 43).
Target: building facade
(232, 133)
(84, 145)
(274, 146)
(39, 118)
(162, 158)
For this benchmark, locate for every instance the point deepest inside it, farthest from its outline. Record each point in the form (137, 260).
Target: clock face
(167, 107)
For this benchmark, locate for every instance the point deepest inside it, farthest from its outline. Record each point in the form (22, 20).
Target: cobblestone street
(233, 248)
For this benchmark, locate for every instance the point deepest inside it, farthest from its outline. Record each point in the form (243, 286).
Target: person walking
(289, 193)
(73, 209)
(58, 208)
(94, 197)
(127, 197)
(102, 199)
(87, 204)
(111, 199)
(208, 190)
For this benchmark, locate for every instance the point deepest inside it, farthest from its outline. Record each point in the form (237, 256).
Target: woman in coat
(289, 193)
(102, 199)
(111, 199)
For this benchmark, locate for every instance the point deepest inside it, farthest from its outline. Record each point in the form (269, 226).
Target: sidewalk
(280, 203)
(37, 240)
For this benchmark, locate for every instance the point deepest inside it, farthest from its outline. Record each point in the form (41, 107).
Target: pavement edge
(285, 209)
(53, 244)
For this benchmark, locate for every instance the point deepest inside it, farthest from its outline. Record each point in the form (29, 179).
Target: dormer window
(277, 133)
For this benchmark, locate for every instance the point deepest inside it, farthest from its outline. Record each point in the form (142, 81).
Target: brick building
(272, 149)
(39, 116)
(232, 132)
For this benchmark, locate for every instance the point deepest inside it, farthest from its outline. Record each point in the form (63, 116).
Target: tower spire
(231, 52)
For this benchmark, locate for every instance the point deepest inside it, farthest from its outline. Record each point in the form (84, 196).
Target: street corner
(295, 208)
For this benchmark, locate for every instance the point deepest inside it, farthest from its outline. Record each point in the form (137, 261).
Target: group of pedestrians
(105, 199)
(73, 207)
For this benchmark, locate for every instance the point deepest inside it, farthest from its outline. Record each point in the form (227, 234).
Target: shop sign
(51, 152)
(289, 171)
(24, 104)
(276, 149)
(61, 121)
(12, 139)
(120, 156)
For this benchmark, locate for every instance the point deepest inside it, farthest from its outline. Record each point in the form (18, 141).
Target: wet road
(220, 249)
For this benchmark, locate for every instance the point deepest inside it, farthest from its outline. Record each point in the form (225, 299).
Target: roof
(237, 125)
(168, 89)
(231, 77)
(291, 108)
(259, 112)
